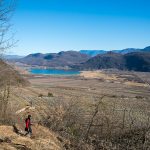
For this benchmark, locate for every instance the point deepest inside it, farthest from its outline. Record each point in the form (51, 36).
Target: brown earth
(42, 139)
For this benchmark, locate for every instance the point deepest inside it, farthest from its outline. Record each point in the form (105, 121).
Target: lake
(54, 72)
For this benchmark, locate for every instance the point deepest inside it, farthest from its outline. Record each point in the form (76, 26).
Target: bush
(96, 125)
(40, 95)
(50, 94)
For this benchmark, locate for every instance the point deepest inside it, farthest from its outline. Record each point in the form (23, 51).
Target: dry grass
(127, 78)
(120, 120)
(86, 113)
(43, 139)
(98, 74)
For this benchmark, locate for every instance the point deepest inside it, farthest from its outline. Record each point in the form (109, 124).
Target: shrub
(96, 125)
(50, 94)
(40, 95)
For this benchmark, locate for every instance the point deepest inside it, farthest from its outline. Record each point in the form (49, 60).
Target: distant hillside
(93, 52)
(9, 75)
(61, 59)
(137, 61)
(9, 57)
(146, 49)
(124, 51)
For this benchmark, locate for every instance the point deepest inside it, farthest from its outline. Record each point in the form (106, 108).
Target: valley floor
(119, 100)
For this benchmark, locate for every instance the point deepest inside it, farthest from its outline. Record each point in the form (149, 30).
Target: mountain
(146, 49)
(93, 52)
(89, 59)
(124, 51)
(127, 50)
(137, 61)
(61, 59)
(103, 61)
(10, 57)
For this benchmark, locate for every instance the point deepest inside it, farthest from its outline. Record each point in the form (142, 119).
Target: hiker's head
(29, 116)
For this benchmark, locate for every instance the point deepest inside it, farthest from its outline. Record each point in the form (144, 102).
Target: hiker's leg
(27, 132)
(30, 131)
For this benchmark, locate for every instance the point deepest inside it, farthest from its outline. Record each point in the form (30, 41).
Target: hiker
(28, 128)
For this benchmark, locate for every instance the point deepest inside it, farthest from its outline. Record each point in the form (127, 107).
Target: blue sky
(60, 25)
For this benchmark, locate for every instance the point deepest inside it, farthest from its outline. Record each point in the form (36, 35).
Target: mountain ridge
(123, 51)
(61, 59)
(135, 61)
(118, 59)
(87, 52)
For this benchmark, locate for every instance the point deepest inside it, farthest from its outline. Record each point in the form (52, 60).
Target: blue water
(54, 72)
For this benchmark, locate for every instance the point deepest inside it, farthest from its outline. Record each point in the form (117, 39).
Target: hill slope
(43, 139)
(9, 75)
(137, 61)
(61, 59)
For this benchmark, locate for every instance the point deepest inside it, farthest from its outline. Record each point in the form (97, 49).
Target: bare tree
(6, 12)
(6, 41)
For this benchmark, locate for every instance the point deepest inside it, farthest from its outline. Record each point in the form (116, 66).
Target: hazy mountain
(93, 52)
(137, 61)
(124, 51)
(10, 57)
(127, 50)
(61, 59)
(146, 49)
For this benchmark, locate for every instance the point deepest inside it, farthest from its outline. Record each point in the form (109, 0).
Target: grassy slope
(10, 76)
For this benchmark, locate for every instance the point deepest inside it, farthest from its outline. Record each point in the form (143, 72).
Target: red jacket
(28, 123)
